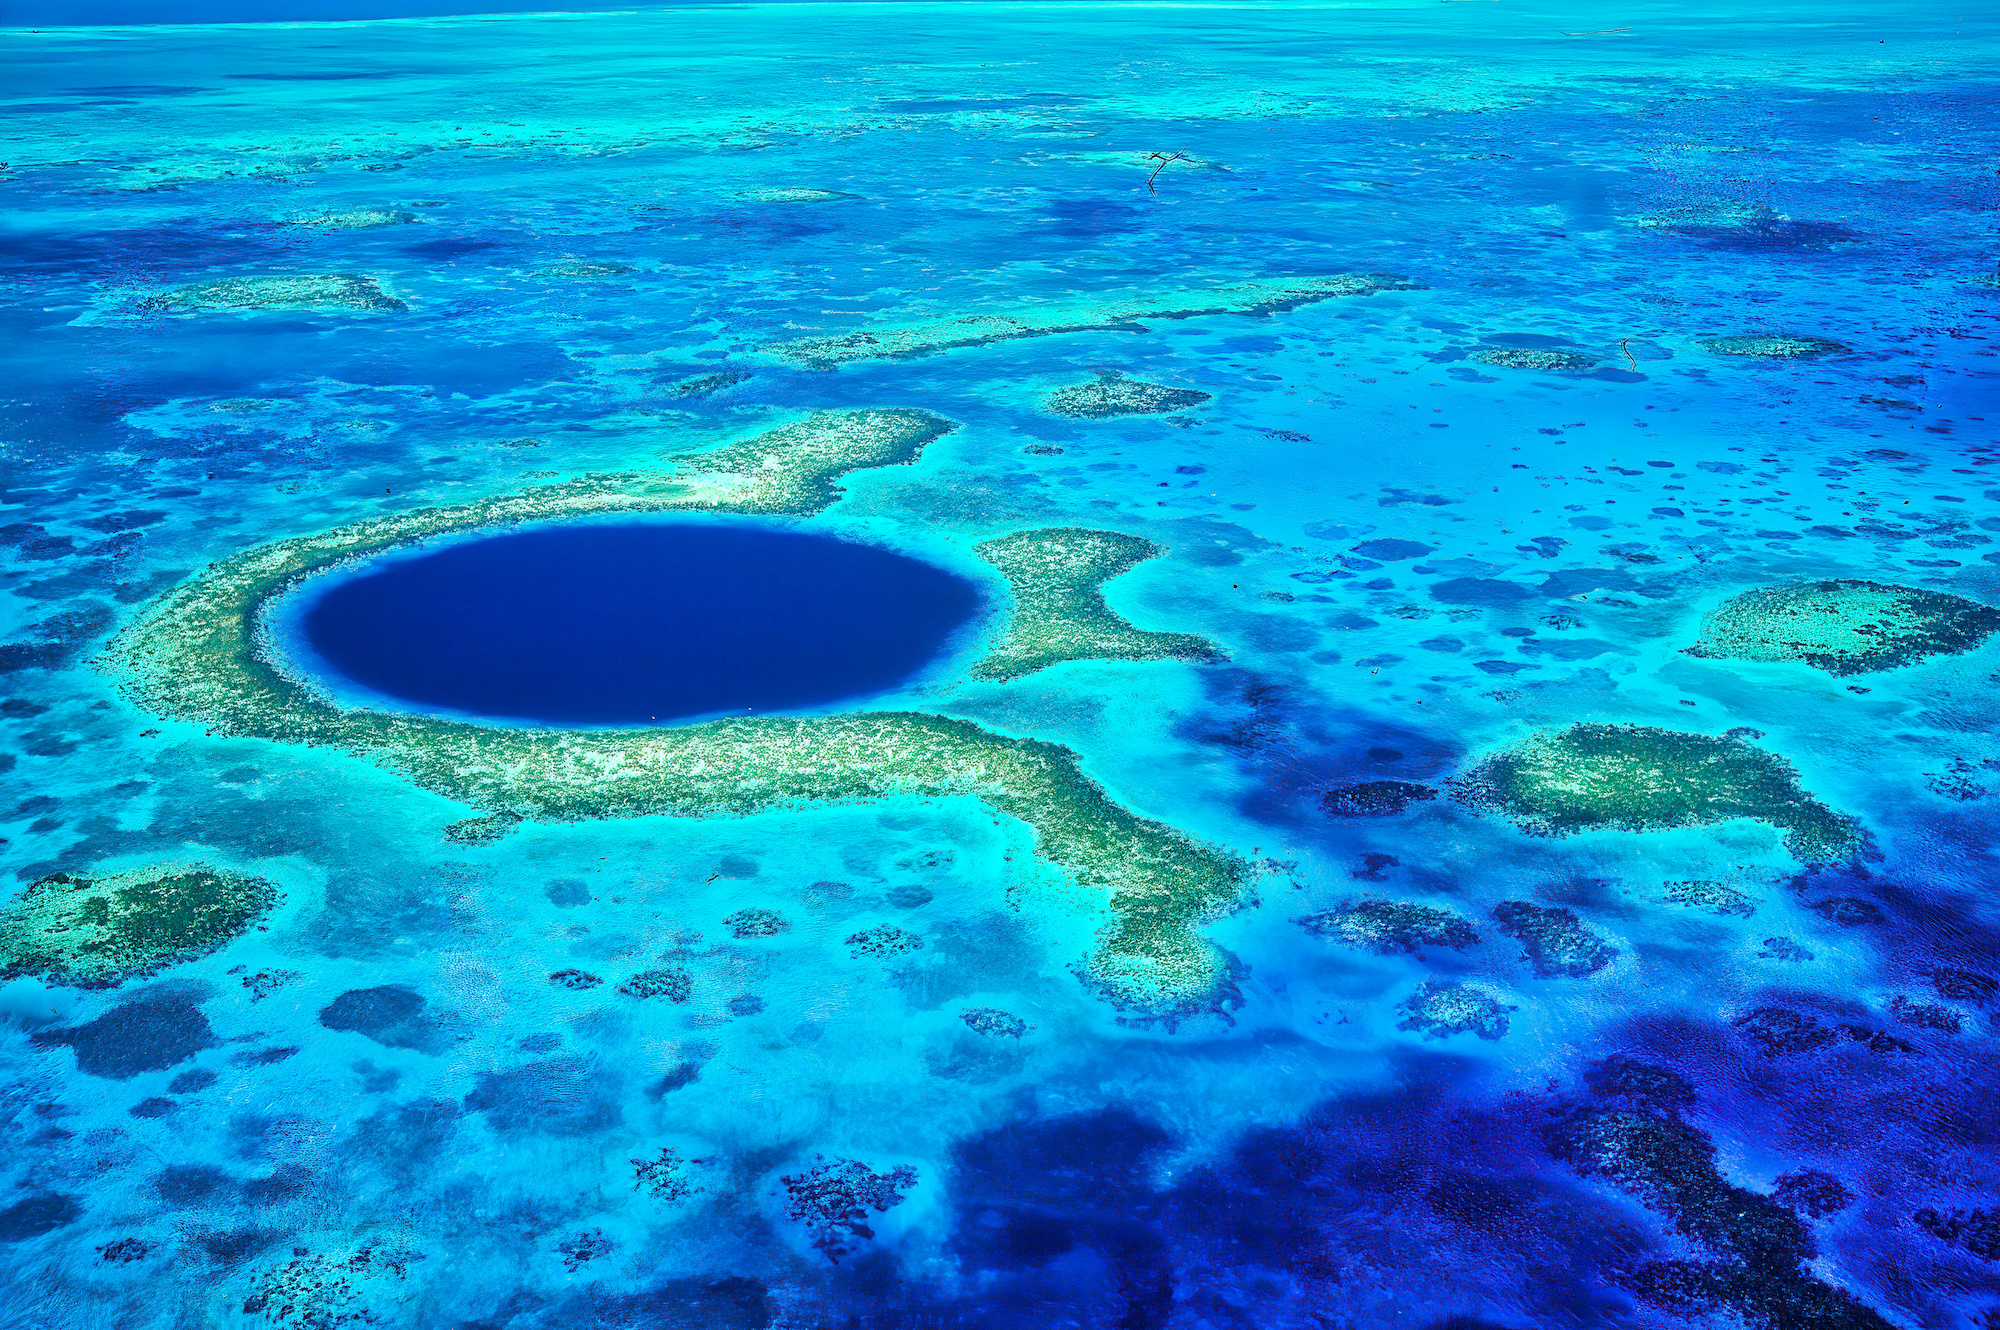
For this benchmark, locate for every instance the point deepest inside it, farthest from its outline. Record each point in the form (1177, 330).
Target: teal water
(1682, 1076)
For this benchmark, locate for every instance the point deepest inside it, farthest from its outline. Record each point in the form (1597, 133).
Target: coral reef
(1057, 577)
(1774, 348)
(896, 341)
(1977, 1231)
(99, 931)
(1440, 1009)
(1114, 395)
(1553, 939)
(884, 940)
(993, 1021)
(663, 1177)
(673, 985)
(482, 830)
(1509, 357)
(755, 922)
(320, 1291)
(355, 219)
(1713, 897)
(580, 1249)
(1812, 1193)
(197, 654)
(575, 980)
(1640, 778)
(1670, 1167)
(1391, 927)
(1844, 626)
(1373, 798)
(833, 1197)
(332, 290)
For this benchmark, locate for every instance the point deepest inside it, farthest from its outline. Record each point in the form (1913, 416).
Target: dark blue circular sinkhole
(638, 622)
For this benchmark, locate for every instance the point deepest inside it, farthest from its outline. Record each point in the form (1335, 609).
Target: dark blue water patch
(631, 623)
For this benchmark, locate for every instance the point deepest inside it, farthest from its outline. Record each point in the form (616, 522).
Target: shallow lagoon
(1472, 805)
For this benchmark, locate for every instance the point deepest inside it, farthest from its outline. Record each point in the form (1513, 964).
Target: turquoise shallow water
(1421, 524)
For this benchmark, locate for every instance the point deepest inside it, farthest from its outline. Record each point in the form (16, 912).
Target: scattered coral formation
(1553, 939)
(1844, 626)
(585, 269)
(897, 341)
(1373, 798)
(1511, 357)
(576, 981)
(1440, 1009)
(197, 654)
(97, 931)
(1774, 348)
(1057, 577)
(1114, 395)
(1641, 778)
(831, 1200)
(314, 1290)
(331, 290)
(1391, 927)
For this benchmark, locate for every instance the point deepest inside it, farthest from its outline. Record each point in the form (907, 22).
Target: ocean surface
(1669, 303)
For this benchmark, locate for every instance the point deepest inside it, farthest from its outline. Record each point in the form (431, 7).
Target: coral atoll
(1844, 626)
(895, 341)
(1640, 778)
(198, 655)
(1390, 927)
(97, 931)
(1057, 577)
(1114, 395)
(331, 290)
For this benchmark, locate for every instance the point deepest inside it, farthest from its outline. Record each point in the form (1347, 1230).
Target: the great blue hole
(639, 622)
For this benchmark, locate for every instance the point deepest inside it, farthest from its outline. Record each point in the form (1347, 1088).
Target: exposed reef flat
(896, 341)
(1111, 395)
(1774, 348)
(1844, 626)
(1058, 576)
(1639, 778)
(330, 290)
(98, 931)
(197, 655)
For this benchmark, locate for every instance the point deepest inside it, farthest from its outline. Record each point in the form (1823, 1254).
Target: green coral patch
(1638, 778)
(1845, 626)
(1057, 576)
(898, 341)
(98, 931)
(196, 655)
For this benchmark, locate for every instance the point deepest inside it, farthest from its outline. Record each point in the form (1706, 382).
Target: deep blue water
(605, 625)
